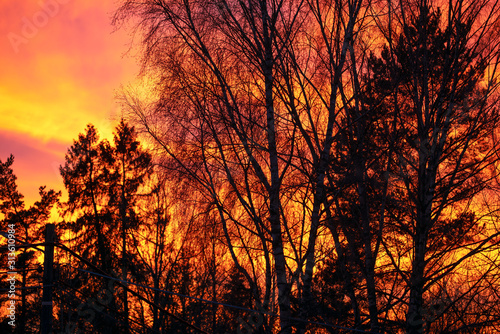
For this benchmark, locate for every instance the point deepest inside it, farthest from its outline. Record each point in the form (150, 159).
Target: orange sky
(60, 68)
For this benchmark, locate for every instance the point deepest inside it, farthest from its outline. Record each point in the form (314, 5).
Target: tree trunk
(123, 214)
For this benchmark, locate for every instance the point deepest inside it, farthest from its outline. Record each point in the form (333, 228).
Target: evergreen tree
(132, 166)
(28, 225)
(103, 183)
(87, 175)
(432, 80)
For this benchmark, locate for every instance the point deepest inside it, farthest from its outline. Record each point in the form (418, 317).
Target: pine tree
(104, 183)
(132, 166)
(431, 78)
(28, 225)
(87, 175)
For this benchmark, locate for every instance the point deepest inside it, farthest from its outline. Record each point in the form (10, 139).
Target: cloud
(59, 79)
(35, 163)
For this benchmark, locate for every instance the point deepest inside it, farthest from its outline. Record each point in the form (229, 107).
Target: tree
(315, 129)
(330, 291)
(104, 184)
(28, 226)
(87, 175)
(243, 113)
(444, 88)
(132, 167)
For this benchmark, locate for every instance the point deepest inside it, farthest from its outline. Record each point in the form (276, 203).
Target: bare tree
(285, 117)
(247, 116)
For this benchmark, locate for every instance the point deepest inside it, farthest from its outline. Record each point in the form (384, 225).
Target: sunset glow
(261, 166)
(56, 75)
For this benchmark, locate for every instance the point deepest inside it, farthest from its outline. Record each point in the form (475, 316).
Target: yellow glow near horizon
(55, 79)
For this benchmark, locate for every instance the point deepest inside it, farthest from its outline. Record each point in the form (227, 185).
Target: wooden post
(48, 278)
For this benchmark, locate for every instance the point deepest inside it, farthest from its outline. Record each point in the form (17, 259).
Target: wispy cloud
(61, 77)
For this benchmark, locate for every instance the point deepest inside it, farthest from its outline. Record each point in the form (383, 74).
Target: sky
(61, 66)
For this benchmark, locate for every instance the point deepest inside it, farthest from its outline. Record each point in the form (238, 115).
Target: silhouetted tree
(247, 109)
(104, 184)
(443, 85)
(132, 165)
(28, 225)
(373, 120)
(87, 174)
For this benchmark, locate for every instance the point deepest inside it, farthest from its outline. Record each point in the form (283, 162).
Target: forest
(287, 166)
